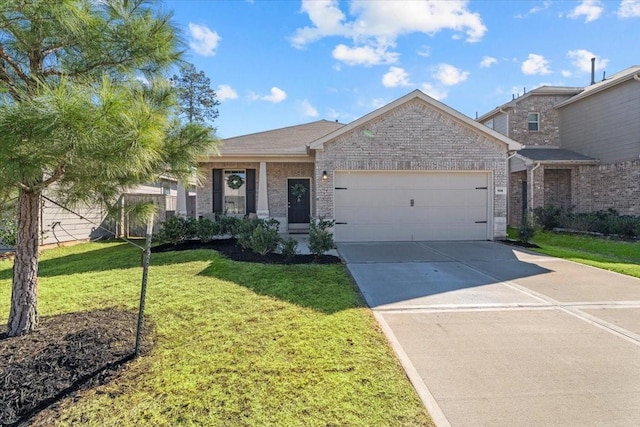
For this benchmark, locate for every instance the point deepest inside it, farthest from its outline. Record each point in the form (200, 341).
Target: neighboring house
(582, 146)
(80, 223)
(414, 169)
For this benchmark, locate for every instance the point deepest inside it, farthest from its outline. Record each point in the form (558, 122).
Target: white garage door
(405, 206)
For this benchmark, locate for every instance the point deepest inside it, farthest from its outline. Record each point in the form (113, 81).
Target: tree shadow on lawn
(108, 256)
(324, 288)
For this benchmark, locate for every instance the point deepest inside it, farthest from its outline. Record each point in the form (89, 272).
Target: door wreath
(298, 191)
(234, 181)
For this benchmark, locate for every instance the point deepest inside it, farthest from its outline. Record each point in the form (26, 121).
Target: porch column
(263, 199)
(181, 201)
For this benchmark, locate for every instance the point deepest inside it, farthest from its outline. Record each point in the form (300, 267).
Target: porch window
(235, 192)
(533, 122)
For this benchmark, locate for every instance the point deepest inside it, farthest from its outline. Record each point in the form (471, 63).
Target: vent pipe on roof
(593, 71)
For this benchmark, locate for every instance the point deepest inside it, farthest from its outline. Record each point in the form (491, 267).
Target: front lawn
(615, 255)
(237, 344)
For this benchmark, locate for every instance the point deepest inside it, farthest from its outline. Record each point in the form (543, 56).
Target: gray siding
(501, 124)
(59, 225)
(605, 125)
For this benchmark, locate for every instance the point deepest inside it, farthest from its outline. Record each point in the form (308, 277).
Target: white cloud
(449, 75)
(629, 9)
(203, 40)
(425, 51)
(225, 92)
(536, 9)
(535, 64)
(581, 59)
(488, 61)
(395, 77)
(364, 55)
(375, 25)
(434, 92)
(590, 9)
(276, 95)
(566, 73)
(308, 109)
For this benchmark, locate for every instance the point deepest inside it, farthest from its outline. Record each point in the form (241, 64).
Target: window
(533, 122)
(489, 124)
(235, 192)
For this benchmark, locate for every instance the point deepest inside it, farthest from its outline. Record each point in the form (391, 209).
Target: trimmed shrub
(206, 229)
(526, 231)
(548, 217)
(8, 231)
(264, 239)
(176, 230)
(320, 238)
(289, 247)
(227, 224)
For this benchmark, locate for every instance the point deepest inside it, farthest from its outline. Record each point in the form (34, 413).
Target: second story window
(533, 122)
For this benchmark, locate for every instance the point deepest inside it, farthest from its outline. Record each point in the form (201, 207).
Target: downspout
(509, 184)
(537, 165)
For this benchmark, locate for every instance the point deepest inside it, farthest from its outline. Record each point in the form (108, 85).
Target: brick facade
(616, 186)
(549, 128)
(414, 136)
(277, 174)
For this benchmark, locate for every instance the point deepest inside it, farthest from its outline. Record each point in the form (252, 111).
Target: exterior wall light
(325, 176)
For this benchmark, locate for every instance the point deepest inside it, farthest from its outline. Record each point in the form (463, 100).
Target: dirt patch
(230, 249)
(67, 353)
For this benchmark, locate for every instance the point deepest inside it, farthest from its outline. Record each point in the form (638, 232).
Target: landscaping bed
(233, 251)
(67, 352)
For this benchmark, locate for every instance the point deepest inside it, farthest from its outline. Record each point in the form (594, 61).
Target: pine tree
(75, 118)
(196, 97)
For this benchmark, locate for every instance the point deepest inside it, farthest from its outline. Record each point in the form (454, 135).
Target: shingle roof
(542, 90)
(622, 76)
(292, 140)
(554, 154)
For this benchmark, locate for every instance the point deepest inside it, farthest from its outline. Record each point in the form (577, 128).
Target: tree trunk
(23, 317)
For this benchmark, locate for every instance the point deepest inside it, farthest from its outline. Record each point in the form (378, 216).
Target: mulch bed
(230, 249)
(67, 353)
(519, 243)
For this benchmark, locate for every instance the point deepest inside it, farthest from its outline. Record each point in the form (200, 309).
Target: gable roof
(621, 77)
(292, 140)
(417, 94)
(542, 90)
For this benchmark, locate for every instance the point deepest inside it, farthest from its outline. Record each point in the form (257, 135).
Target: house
(414, 169)
(582, 146)
(63, 225)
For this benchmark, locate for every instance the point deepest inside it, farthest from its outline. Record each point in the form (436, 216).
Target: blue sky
(282, 63)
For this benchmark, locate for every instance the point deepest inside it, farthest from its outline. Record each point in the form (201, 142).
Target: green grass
(619, 256)
(237, 344)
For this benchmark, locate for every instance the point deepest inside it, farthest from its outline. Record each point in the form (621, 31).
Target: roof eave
(417, 94)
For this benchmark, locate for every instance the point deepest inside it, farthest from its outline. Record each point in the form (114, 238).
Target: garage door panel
(376, 206)
(428, 215)
(380, 198)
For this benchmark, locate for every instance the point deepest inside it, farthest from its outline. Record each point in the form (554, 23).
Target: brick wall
(277, 174)
(204, 192)
(616, 186)
(414, 136)
(516, 197)
(557, 187)
(549, 129)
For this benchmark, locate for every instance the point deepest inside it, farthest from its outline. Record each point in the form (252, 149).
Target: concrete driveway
(491, 335)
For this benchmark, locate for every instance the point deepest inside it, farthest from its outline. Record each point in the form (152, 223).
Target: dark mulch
(67, 353)
(230, 249)
(519, 243)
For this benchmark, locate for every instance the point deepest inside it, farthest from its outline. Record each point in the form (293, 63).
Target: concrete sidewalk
(491, 335)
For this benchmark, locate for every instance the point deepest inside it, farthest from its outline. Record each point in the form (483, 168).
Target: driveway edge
(421, 388)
